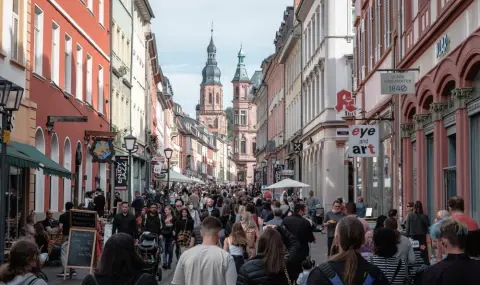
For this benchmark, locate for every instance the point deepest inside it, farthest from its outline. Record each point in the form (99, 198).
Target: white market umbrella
(177, 177)
(287, 183)
(196, 180)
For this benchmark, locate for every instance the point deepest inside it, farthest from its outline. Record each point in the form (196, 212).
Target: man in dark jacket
(212, 211)
(138, 204)
(153, 223)
(300, 228)
(457, 267)
(124, 222)
(100, 202)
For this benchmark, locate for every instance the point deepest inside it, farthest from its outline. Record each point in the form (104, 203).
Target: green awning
(23, 155)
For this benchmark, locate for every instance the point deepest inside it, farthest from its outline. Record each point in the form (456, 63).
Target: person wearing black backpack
(120, 264)
(348, 267)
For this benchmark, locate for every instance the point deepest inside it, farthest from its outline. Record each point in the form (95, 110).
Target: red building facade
(441, 122)
(70, 78)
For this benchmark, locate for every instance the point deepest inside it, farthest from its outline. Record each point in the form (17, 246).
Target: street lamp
(10, 99)
(168, 155)
(130, 142)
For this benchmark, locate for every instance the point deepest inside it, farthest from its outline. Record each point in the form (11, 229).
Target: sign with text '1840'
(397, 83)
(363, 141)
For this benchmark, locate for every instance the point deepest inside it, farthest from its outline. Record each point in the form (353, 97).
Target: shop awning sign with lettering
(363, 141)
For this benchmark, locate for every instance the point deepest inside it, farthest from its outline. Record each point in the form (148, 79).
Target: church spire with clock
(210, 110)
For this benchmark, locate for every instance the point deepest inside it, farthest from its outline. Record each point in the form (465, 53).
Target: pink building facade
(244, 130)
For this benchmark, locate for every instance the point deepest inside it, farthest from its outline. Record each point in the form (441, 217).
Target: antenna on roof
(212, 29)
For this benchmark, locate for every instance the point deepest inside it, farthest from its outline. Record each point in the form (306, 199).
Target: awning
(23, 155)
(177, 177)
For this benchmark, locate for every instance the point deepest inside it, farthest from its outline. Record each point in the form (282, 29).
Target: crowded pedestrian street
(253, 142)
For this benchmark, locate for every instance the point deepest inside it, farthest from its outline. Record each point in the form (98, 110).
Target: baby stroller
(150, 250)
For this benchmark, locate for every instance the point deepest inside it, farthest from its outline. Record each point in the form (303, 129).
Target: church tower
(210, 110)
(244, 120)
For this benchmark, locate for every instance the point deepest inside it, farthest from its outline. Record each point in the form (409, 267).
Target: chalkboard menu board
(83, 219)
(81, 246)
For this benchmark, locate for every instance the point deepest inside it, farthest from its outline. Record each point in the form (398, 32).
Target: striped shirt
(389, 266)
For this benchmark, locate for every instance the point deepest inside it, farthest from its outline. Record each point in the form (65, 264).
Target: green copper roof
(241, 72)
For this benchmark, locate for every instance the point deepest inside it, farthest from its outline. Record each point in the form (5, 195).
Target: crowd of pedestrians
(229, 236)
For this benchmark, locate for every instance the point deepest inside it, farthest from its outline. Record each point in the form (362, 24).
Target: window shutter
(370, 38)
(386, 18)
(362, 49)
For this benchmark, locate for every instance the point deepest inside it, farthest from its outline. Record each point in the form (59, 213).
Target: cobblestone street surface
(318, 252)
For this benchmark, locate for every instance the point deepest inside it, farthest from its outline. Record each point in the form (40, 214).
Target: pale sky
(182, 30)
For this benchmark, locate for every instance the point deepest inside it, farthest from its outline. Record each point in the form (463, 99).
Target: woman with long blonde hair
(251, 230)
(236, 245)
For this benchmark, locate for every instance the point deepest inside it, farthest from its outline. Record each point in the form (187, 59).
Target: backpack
(335, 279)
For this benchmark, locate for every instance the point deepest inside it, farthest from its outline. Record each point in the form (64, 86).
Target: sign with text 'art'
(364, 141)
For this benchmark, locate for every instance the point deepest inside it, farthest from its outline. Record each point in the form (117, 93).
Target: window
(90, 5)
(218, 99)
(235, 118)
(68, 64)
(15, 31)
(100, 12)
(38, 41)
(210, 99)
(237, 92)
(386, 26)
(243, 117)
(243, 145)
(55, 59)
(100, 90)
(89, 79)
(236, 145)
(79, 72)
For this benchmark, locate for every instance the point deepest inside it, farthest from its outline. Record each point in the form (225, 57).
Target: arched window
(210, 99)
(243, 145)
(236, 145)
(218, 98)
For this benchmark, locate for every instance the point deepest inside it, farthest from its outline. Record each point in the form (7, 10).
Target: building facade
(291, 56)
(326, 69)
(121, 74)
(70, 78)
(244, 120)
(440, 122)
(261, 103)
(374, 30)
(210, 110)
(274, 79)
(141, 94)
(16, 68)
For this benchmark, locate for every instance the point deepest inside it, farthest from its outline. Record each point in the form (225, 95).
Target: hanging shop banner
(278, 173)
(102, 150)
(363, 141)
(121, 172)
(397, 83)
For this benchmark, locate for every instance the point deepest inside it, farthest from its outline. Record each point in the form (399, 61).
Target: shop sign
(363, 141)
(297, 147)
(345, 103)
(157, 169)
(397, 83)
(102, 150)
(441, 48)
(121, 172)
(287, 172)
